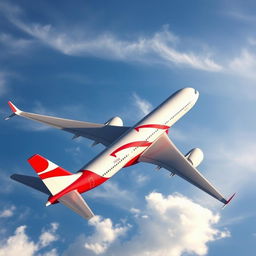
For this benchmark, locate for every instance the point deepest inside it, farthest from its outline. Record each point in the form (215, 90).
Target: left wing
(100, 133)
(165, 154)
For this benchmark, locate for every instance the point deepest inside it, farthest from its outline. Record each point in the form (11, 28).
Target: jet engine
(116, 121)
(195, 156)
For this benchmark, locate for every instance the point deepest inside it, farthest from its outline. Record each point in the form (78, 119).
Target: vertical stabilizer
(54, 177)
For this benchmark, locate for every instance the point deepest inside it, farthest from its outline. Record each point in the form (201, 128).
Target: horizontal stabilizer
(72, 200)
(31, 181)
(75, 202)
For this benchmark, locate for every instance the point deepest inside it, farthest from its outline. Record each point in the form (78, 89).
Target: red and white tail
(54, 177)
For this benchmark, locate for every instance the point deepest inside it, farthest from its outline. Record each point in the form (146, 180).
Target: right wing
(164, 153)
(100, 133)
(74, 201)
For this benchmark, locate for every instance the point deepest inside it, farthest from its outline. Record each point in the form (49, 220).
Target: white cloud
(174, 225)
(143, 106)
(48, 236)
(168, 226)
(6, 213)
(20, 244)
(160, 48)
(105, 234)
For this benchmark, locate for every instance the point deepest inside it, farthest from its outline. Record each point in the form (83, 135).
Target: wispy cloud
(15, 45)
(245, 64)
(142, 105)
(8, 212)
(160, 48)
(242, 16)
(110, 191)
(3, 82)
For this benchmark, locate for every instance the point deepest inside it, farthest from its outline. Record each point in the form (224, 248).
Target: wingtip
(228, 201)
(13, 108)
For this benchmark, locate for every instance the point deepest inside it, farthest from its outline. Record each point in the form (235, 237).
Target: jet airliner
(147, 141)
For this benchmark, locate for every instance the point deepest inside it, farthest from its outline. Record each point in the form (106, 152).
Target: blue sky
(92, 60)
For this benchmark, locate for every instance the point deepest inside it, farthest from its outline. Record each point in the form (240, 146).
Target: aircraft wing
(75, 202)
(165, 154)
(100, 133)
(72, 200)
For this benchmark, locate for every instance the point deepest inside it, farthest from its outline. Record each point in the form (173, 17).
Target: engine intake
(195, 156)
(116, 121)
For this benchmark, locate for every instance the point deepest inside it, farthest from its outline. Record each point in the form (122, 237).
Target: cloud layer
(161, 47)
(20, 244)
(168, 226)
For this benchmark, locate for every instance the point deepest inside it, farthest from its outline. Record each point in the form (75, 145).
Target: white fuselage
(137, 139)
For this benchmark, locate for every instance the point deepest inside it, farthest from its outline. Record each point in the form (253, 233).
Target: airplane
(147, 141)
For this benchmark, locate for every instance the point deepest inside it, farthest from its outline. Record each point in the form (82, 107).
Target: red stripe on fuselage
(133, 161)
(131, 144)
(87, 181)
(157, 126)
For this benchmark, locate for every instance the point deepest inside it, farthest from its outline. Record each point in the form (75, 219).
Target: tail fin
(54, 177)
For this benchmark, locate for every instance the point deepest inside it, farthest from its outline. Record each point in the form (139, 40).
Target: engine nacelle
(116, 121)
(195, 156)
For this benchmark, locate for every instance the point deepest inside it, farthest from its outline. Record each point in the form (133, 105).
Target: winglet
(14, 108)
(228, 201)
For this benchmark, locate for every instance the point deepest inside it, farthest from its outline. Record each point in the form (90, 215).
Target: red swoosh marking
(132, 144)
(54, 173)
(157, 126)
(133, 161)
